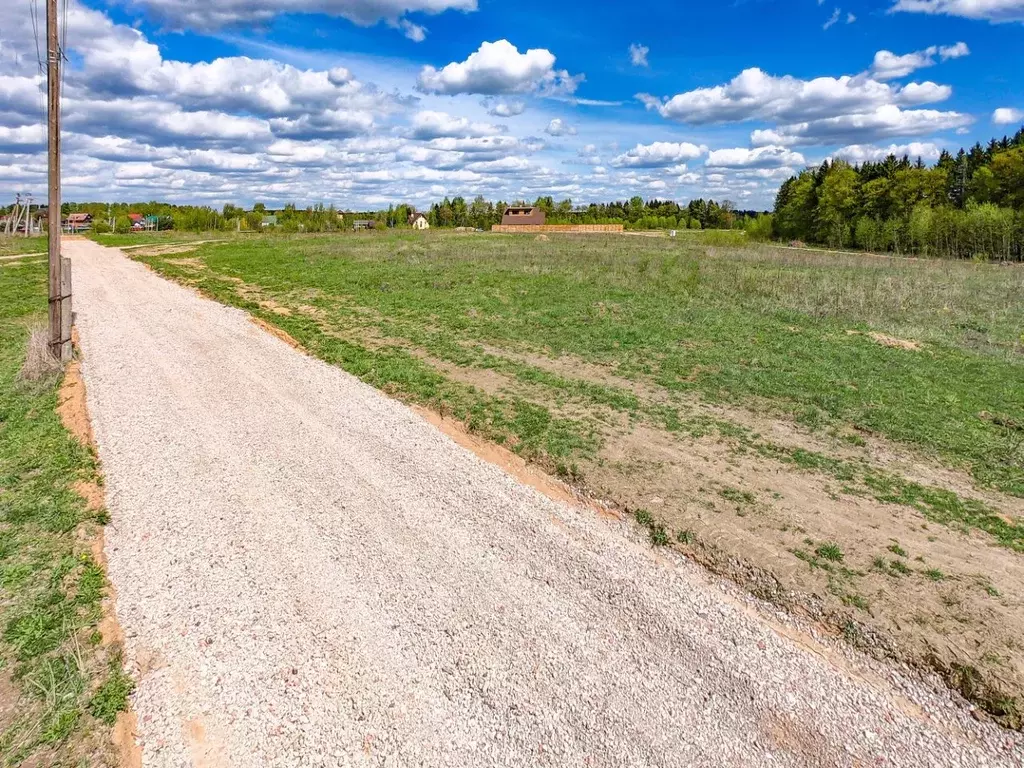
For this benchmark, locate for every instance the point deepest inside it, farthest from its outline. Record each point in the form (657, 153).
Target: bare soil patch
(762, 421)
(167, 250)
(904, 586)
(274, 307)
(273, 330)
(71, 406)
(748, 518)
(125, 740)
(889, 341)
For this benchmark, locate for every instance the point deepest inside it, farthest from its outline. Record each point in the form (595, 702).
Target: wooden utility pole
(59, 283)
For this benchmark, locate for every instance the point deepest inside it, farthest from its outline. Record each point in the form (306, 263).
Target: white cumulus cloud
(502, 107)
(427, 125)
(1007, 115)
(888, 65)
(660, 154)
(755, 95)
(558, 127)
(995, 11)
(415, 32)
(499, 68)
(861, 153)
(882, 123)
(769, 156)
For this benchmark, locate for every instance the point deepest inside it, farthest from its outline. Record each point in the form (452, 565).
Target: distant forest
(968, 205)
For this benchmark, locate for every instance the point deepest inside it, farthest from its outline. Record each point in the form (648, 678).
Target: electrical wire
(63, 47)
(34, 15)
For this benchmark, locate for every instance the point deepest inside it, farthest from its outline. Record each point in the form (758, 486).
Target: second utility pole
(59, 283)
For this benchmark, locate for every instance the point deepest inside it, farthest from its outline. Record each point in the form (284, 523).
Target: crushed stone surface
(308, 574)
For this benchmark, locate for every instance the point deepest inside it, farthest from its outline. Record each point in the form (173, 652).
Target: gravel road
(308, 574)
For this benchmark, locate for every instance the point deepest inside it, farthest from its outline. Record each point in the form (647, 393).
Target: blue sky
(364, 102)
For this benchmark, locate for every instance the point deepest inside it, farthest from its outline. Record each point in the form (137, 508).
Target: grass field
(11, 245)
(158, 238)
(794, 420)
(60, 688)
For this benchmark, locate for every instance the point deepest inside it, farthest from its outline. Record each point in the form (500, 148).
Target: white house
(418, 221)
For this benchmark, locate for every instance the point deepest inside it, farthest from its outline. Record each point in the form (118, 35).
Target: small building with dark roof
(523, 215)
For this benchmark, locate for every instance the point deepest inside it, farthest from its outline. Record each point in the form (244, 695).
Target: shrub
(761, 228)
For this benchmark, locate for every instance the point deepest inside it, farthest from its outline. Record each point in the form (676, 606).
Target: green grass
(10, 244)
(155, 238)
(756, 326)
(112, 695)
(50, 602)
(657, 532)
(896, 549)
(898, 566)
(747, 326)
(857, 601)
(738, 497)
(830, 552)
(643, 517)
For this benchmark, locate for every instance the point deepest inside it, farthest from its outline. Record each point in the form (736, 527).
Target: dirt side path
(308, 573)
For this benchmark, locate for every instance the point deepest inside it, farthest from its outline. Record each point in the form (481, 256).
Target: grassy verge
(155, 238)
(737, 326)
(10, 245)
(62, 687)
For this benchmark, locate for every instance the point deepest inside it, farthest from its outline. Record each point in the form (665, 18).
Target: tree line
(968, 205)
(635, 213)
(479, 213)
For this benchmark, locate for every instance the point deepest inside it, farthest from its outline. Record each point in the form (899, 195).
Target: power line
(63, 45)
(34, 15)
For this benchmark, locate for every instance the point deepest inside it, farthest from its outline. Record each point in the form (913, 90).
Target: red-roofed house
(76, 222)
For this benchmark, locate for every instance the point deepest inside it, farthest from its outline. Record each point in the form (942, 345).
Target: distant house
(138, 221)
(418, 221)
(364, 224)
(77, 222)
(523, 215)
(269, 221)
